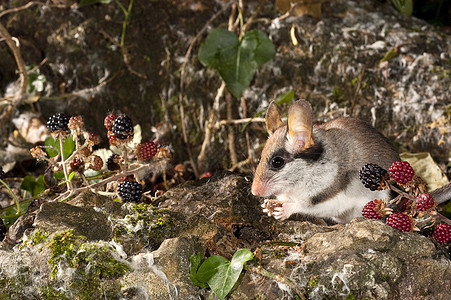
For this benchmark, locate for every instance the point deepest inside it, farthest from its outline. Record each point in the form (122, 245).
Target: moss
(50, 293)
(313, 281)
(145, 224)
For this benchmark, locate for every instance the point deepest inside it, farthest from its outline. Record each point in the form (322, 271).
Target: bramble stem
(13, 195)
(66, 175)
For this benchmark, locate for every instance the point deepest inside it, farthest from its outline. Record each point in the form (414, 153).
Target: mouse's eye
(277, 163)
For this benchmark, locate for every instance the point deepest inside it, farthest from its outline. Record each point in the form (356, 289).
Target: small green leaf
(404, 6)
(285, 98)
(52, 146)
(33, 186)
(235, 60)
(221, 274)
(91, 2)
(71, 176)
(195, 261)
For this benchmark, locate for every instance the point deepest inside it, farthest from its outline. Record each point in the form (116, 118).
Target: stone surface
(364, 259)
(57, 216)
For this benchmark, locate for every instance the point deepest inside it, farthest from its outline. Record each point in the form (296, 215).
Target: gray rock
(58, 216)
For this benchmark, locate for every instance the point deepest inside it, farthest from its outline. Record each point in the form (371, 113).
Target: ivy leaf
(222, 274)
(235, 60)
(404, 6)
(195, 261)
(53, 146)
(33, 186)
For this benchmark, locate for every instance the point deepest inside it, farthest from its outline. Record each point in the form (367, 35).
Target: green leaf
(404, 6)
(71, 176)
(53, 146)
(90, 2)
(33, 186)
(195, 261)
(221, 274)
(235, 60)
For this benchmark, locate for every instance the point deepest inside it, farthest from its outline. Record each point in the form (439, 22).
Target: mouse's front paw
(278, 209)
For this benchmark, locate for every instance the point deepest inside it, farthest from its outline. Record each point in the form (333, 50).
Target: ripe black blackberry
(122, 127)
(57, 122)
(2, 174)
(371, 176)
(130, 191)
(2, 230)
(112, 163)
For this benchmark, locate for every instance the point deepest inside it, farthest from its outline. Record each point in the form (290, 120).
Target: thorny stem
(12, 195)
(96, 185)
(66, 174)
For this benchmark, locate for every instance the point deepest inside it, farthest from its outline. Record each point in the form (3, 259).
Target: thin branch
(239, 121)
(6, 115)
(209, 125)
(17, 9)
(182, 82)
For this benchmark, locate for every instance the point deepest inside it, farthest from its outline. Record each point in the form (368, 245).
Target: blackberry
(400, 221)
(2, 174)
(424, 202)
(2, 230)
(372, 210)
(146, 150)
(57, 122)
(122, 127)
(130, 191)
(442, 233)
(371, 176)
(108, 121)
(112, 163)
(401, 171)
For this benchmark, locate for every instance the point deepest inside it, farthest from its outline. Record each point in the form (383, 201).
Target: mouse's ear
(300, 126)
(273, 120)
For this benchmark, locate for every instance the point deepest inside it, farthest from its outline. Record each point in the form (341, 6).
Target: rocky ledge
(95, 248)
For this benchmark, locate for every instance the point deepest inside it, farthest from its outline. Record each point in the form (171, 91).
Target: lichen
(145, 224)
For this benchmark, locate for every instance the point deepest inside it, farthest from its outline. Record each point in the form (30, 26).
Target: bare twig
(182, 82)
(23, 7)
(231, 131)
(212, 118)
(15, 48)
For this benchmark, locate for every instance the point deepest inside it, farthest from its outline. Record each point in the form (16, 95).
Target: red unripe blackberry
(2, 230)
(108, 122)
(442, 233)
(146, 150)
(122, 127)
(371, 210)
(401, 171)
(400, 221)
(57, 122)
(371, 176)
(424, 202)
(130, 191)
(112, 138)
(2, 174)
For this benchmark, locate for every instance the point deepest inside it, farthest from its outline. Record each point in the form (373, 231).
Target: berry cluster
(58, 123)
(412, 209)
(120, 128)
